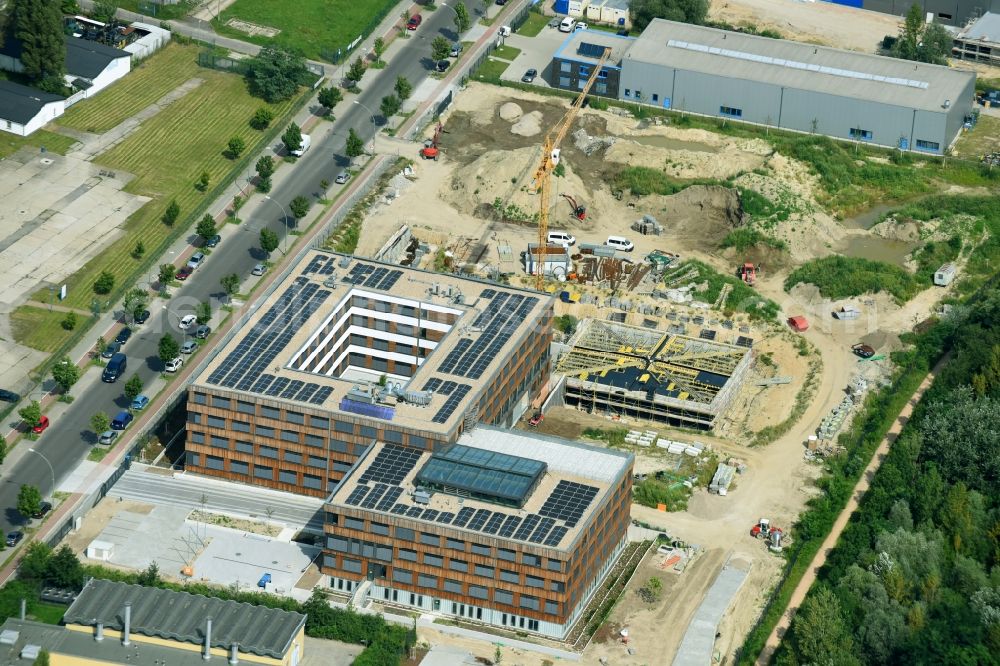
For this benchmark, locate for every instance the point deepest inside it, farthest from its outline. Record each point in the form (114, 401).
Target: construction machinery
(431, 151)
(550, 159)
(579, 210)
(748, 273)
(764, 530)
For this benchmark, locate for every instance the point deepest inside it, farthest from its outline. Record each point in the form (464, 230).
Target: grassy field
(316, 27)
(507, 52)
(534, 24)
(491, 70)
(56, 143)
(167, 154)
(40, 329)
(150, 81)
(48, 613)
(160, 11)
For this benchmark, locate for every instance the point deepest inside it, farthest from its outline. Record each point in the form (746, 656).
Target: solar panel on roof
(413, 512)
(568, 502)
(321, 395)
(555, 536)
(509, 525)
(307, 392)
(357, 495)
(743, 341)
(294, 387)
(390, 498)
(451, 404)
(391, 465)
(479, 519)
(430, 514)
(278, 386)
(446, 517)
(530, 522)
(374, 496)
(707, 334)
(590, 50)
(464, 515)
(493, 524)
(365, 409)
(400, 509)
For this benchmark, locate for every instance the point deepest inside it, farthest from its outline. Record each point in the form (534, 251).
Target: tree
(684, 11)
(230, 284)
(29, 500)
(203, 312)
(329, 98)
(820, 632)
(378, 46)
(292, 137)
(167, 273)
(31, 414)
(356, 71)
(921, 41)
(104, 11)
(172, 212)
(69, 321)
(497, 655)
(318, 611)
(100, 422)
(168, 348)
(136, 301)
(265, 166)
(268, 241)
(440, 48)
(3, 449)
(403, 88)
(264, 185)
(206, 226)
(969, 426)
(64, 569)
(299, 206)
(101, 345)
(274, 74)
(104, 283)
(39, 28)
(42, 659)
(65, 373)
(462, 20)
(133, 387)
(150, 576)
(202, 184)
(390, 106)
(355, 145)
(35, 564)
(261, 118)
(69, 7)
(236, 146)
(138, 250)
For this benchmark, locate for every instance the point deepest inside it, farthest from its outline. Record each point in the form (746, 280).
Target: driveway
(536, 52)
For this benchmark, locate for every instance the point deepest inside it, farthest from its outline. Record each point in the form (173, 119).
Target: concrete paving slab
(162, 536)
(699, 639)
(240, 558)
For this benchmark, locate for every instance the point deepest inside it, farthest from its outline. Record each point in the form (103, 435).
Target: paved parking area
(241, 558)
(536, 52)
(160, 536)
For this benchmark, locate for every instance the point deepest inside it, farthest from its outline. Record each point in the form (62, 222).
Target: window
(216, 422)
(528, 558)
(198, 437)
(455, 544)
(532, 625)
(344, 427)
(418, 442)
(238, 467)
(295, 417)
(551, 607)
(338, 446)
(264, 431)
(290, 436)
(315, 461)
(220, 442)
(383, 553)
(268, 452)
(557, 586)
(402, 576)
(503, 597)
(213, 462)
(584, 72)
(405, 533)
(488, 572)
(352, 566)
(452, 586)
(262, 472)
(529, 602)
(341, 466)
(928, 145)
(219, 401)
(628, 93)
(293, 457)
(480, 549)
(193, 457)
(433, 560)
(319, 422)
(337, 543)
(638, 94)
(504, 554)
(458, 565)
(244, 447)
(601, 88)
(510, 576)
(199, 399)
(393, 436)
(656, 98)
(245, 407)
(194, 417)
(565, 67)
(270, 412)
(603, 74)
(533, 581)
(730, 111)
(423, 580)
(240, 426)
(478, 592)
(380, 529)
(564, 80)
(860, 134)
(553, 565)
(368, 432)
(430, 539)
(354, 523)
(310, 481)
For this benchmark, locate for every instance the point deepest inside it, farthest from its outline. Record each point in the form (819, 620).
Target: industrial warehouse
(345, 352)
(502, 528)
(776, 83)
(622, 370)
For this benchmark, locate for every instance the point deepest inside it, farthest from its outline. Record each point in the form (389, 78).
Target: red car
(536, 419)
(414, 22)
(183, 274)
(43, 423)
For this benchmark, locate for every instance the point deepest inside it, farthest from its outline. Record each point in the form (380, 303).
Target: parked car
(115, 368)
(123, 335)
(43, 423)
(139, 403)
(260, 268)
(112, 349)
(864, 351)
(442, 65)
(342, 178)
(142, 317)
(196, 260)
(536, 419)
(213, 241)
(414, 22)
(582, 25)
(500, 2)
(186, 322)
(456, 50)
(554, 23)
(622, 32)
(9, 396)
(121, 420)
(189, 347)
(303, 147)
(108, 437)
(566, 25)
(43, 510)
(14, 538)
(202, 331)
(175, 365)
(620, 243)
(530, 75)
(183, 274)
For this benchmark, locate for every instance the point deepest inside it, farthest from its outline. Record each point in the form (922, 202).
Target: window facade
(860, 134)
(730, 111)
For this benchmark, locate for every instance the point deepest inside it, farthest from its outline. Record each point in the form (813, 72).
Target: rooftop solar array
(568, 502)
(243, 368)
(498, 321)
(590, 50)
(482, 474)
(391, 465)
(320, 265)
(375, 277)
(744, 341)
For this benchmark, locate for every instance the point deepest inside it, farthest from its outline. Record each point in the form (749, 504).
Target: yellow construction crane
(550, 159)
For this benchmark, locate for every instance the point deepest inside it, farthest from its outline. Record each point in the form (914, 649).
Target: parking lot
(536, 52)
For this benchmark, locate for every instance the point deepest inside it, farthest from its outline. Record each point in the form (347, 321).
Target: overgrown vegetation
(745, 238)
(348, 232)
(844, 277)
(612, 436)
(640, 181)
(741, 298)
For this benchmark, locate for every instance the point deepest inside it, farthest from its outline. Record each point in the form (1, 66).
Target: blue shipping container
(849, 3)
(561, 6)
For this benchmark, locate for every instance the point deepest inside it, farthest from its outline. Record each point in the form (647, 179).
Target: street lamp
(51, 469)
(374, 127)
(284, 223)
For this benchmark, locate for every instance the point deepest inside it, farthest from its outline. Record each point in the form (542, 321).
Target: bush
(69, 321)
(845, 277)
(642, 181)
(274, 74)
(261, 118)
(745, 238)
(172, 212)
(104, 283)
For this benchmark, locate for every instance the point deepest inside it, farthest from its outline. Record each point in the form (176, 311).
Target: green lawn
(40, 329)
(48, 613)
(167, 154)
(491, 70)
(157, 10)
(56, 143)
(316, 27)
(507, 52)
(534, 24)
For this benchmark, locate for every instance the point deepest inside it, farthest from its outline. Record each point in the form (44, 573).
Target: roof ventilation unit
(344, 262)
(421, 496)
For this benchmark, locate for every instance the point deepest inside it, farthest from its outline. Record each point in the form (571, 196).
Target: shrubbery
(844, 277)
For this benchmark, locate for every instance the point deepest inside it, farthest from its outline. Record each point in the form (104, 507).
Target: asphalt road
(68, 440)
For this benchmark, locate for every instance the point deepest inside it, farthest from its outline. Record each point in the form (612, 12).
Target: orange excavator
(748, 273)
(430, 151)
(579, 210)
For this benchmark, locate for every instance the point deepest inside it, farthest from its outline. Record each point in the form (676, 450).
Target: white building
(24, 110)
(90, 67)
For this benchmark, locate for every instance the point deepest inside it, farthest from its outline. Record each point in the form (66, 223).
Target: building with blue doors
(949, 12)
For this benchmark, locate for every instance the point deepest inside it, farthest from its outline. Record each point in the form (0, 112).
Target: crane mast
(550, 159)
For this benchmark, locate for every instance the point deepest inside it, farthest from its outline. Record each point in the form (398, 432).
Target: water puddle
(673, 144)
(877, 248)
(869, 218)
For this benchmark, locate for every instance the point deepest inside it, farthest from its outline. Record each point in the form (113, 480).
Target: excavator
(748, 273)
(430, 151)
(550, 160)
(579, 210)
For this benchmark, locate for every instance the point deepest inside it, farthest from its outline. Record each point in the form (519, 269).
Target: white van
(561, 238)
(619, 243)
(567, 24)
(306, 142)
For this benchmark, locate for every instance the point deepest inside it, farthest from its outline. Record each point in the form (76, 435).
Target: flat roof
(481, 473)
(986, 29)
(299, 340)
(783, 62)
(181, 616)
(588, 46)
(577, 479)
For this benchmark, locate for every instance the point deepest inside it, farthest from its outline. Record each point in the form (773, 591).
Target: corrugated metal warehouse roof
(985, 28)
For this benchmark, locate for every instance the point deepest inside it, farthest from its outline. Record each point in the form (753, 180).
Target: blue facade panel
(849, 3)
(561, 7)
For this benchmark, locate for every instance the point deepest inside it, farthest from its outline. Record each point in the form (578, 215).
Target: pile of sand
(528, 125)
(510, 111)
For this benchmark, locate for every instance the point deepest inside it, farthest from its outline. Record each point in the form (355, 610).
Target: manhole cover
(274, 561)
(239, 554)
(46, 161)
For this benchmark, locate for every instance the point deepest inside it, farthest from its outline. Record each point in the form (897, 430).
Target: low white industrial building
(24, 110)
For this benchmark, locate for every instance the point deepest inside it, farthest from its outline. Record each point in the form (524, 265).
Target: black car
(43, 510)
(622, 32)
(9, 396)
(142, 317)
(14, 538)
(123, 335)
(530, 75)
(442, 65)
(202, 331)
(213, 241)
(501, 2)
